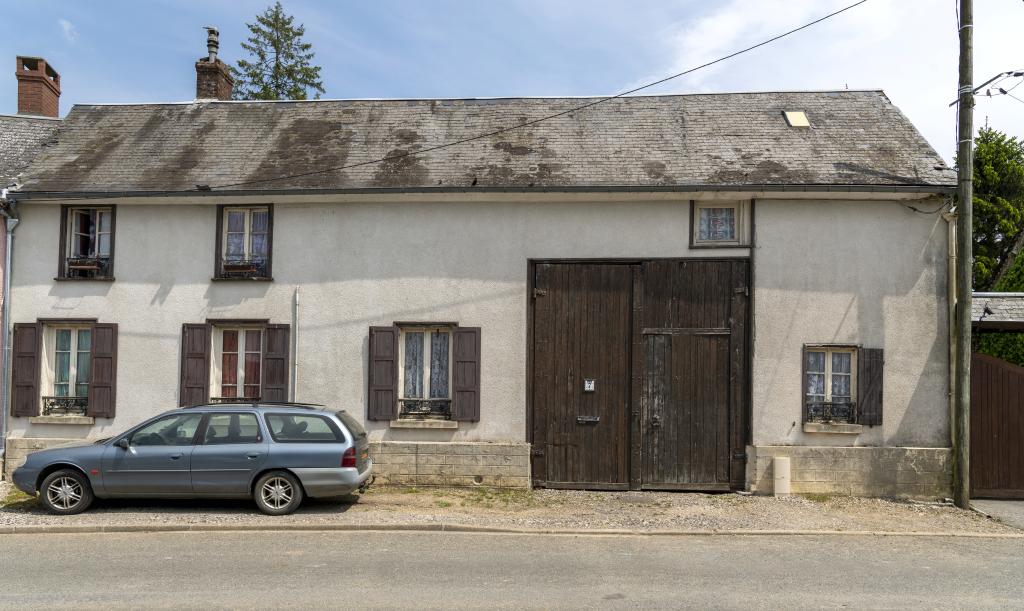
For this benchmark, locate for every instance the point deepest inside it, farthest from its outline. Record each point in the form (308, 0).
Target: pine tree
(279, 68)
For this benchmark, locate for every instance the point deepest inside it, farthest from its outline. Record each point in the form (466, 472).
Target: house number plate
(589, 385)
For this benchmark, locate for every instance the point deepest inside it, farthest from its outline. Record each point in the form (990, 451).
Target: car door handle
(252, 455)
(176, 456)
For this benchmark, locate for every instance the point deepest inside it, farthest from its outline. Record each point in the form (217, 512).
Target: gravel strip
(533, 509)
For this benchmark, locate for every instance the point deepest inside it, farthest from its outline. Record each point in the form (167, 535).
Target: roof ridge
(487, 98)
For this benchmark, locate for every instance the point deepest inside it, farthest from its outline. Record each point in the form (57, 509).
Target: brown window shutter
(25, 369)
(869, 386)
(382, 395)
(276, 346)
(195, 365)
(466, 374)
(803, 385)
(103, 364)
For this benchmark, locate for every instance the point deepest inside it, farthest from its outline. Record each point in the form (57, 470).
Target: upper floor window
(720, 224)
(244, 235)
(88, 243)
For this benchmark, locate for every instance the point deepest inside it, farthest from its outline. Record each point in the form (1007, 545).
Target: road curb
(469, 529)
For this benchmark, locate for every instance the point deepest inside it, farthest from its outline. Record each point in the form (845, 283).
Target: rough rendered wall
(868, 273)
(356, 265)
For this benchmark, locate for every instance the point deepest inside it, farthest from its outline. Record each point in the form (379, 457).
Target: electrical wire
(504, 130)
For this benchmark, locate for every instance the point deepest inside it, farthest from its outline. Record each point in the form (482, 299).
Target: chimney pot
(213, 77)
(38, 87)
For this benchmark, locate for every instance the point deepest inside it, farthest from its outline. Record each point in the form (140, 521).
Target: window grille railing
(87, 267)
(439, 409)
(843, 412)
(244, 268)
(230, 400)
(65, 406)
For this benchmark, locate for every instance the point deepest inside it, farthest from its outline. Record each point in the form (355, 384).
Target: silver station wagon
(275, 453)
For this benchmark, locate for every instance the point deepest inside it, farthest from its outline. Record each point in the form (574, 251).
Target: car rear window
(301, 428)
(351, 424)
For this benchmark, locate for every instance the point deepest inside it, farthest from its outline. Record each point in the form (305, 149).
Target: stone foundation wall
(921, 473)
(502, 465)
(18, 448)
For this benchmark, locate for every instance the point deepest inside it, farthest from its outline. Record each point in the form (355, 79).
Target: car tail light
(348, 459)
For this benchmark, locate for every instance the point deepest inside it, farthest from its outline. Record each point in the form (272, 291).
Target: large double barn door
(639, 374)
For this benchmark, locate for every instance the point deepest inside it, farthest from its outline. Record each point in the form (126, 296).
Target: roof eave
(937, 189)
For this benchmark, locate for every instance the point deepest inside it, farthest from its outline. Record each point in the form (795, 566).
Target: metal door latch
(587, 419)
(655, 420)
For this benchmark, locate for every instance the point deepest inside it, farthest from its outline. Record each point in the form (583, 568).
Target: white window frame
(829, 351)
(427, 331)
(72, 237)
(217, 368)
(246, 231)
(48, 379)
(741, 212)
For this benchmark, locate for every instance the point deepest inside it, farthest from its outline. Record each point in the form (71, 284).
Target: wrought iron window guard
(65, 406)
(87, 267)
(842, 412)
(243, 268)
(230, 400)
(438, 409)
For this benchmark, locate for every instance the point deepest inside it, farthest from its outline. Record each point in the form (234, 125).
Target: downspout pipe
(10, 216)
(951, 262)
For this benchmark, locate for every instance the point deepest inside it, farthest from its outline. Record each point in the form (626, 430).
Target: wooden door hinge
(539, 293)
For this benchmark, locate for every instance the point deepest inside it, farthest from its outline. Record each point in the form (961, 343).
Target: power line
(575, 109)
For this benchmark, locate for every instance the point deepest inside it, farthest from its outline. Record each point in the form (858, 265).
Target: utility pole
(964, 261)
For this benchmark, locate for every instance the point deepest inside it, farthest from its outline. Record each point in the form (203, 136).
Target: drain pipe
(295, 344)
(950, 218)
(10, 216)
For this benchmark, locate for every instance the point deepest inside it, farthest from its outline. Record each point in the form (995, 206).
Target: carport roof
(998, 311)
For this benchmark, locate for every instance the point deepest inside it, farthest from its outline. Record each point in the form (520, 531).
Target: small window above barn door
(720, 224)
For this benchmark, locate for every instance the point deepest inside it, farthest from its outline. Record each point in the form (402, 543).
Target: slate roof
(713, 140)
(1006, 311)
(21, 139)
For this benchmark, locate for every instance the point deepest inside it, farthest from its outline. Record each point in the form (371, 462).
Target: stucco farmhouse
(661, 292)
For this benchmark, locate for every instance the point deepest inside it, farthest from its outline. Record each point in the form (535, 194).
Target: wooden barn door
(997, 428)
(581, 383)
(693, 376)
(639, 374)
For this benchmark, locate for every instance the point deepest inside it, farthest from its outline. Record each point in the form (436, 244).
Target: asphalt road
(451, 570)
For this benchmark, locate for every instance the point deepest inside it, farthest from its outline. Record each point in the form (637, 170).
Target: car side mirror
(122, 443)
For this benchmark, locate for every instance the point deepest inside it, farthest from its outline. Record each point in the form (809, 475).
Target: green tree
(279, 67)
(999, 231)
(998, 204)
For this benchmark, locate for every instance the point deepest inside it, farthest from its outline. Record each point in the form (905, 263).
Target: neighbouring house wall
(866, 273)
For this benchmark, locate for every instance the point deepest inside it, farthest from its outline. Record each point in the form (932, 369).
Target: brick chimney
(38, 87)
(213, 77)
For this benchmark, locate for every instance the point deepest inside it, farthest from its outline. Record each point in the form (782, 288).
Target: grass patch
(410, 490)
(16, 499)
(817, 497)
(442, 504)
(505, 498)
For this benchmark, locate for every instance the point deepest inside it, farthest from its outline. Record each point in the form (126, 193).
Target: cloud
(68, 28)
(907, 48)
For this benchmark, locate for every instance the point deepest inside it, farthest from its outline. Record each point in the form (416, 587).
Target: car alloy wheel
(65, 493)
(277, 493)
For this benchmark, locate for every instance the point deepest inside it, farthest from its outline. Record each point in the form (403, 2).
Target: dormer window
(87, 243)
